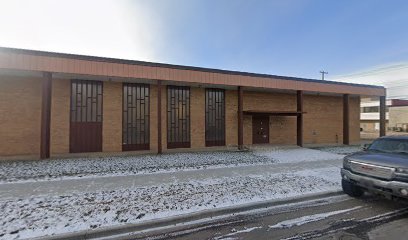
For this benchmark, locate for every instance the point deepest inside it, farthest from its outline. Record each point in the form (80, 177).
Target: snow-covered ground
(282, 155)
(18, 171)
(341, 149)
(55, 213)
(112, 166)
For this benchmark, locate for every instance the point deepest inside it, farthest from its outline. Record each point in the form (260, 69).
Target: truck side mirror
(366, 146)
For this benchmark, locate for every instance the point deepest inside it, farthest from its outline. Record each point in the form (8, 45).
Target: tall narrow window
(214, 117)
(135, 117)
(178, 117)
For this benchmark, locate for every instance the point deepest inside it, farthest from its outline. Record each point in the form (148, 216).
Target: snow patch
(228, 236)
(345, 150)
(308, 219)
(297, 155)
(330, 174)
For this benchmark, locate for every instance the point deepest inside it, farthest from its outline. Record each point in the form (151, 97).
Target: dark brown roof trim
(165, 65)
(273, 113)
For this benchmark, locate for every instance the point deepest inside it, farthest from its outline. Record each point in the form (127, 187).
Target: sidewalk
(97, 184)
(75, 204)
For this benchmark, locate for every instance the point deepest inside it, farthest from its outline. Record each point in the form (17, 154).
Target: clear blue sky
(285, 37)
(288, 37)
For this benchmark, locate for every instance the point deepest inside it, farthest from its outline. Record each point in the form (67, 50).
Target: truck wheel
(351, 189)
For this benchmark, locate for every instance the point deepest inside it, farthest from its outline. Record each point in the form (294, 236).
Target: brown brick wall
(264, 101)
(112, 117)
(231, 116)
(323, 121)
(354, 120)
(153, 117)
(20, 122)
(164, 117)
(197, 117)
(247, 130)
(60, 113)
(20, 116)
(282, 129)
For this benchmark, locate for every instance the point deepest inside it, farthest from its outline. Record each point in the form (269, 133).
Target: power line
(375, 71)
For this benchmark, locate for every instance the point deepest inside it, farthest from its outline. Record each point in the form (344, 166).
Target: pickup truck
(382, 167)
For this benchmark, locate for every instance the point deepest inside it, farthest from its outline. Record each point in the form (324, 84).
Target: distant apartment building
(396, 115)
(399, 116)
(370, 114)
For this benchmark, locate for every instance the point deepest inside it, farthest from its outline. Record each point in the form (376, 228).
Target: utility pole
(323, 73)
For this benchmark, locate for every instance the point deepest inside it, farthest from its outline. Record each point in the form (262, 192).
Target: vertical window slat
(86, 103)
(178, 116)
(215, 117)
(136, 100)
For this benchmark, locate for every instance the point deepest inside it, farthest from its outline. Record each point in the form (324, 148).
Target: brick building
(398, 112)
(54, 104)
(369, 114)
(396, 115)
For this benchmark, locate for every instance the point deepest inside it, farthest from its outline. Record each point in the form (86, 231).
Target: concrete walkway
(108, 183)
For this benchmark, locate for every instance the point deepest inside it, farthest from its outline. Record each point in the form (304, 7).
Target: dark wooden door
(86, 116)
(85, 137)
(260, 129)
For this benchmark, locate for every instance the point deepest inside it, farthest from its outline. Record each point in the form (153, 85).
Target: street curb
(173, 221)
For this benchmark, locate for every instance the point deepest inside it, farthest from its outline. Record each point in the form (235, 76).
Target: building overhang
(272, 113)
(109, 68)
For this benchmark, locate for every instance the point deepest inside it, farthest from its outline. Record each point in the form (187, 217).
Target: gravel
(107, 166)
(345, 150)
(47, 215)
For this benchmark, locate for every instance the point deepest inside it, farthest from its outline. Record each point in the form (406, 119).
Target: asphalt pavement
(339, 217)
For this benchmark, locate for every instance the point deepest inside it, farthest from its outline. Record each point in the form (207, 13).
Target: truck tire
(351, 189)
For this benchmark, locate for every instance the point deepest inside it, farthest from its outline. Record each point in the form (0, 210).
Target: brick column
(159, 118)
(46, 115)
(240, 118)
(382, 116)
(346, 119)
(299, 120)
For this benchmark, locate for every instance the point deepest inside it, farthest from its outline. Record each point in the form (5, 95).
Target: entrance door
(86, 116)
(260, 129)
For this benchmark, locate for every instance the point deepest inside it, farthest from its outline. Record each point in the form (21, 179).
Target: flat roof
(174, 66)
(254, 80)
